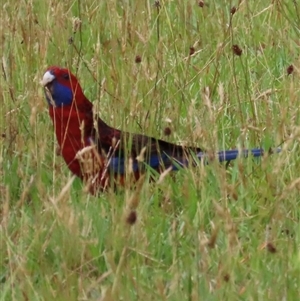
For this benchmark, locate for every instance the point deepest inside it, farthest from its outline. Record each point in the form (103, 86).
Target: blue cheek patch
(61, 95)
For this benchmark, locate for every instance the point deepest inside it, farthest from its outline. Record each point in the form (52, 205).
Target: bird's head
(61, 87)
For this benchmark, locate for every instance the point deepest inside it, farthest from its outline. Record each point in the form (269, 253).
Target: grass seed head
(201, 3)
(290, 69)
(167, 131)
(192, 50)
(138, 59)
(271, 248)
(233, 10)
(131, 217)
(237, 50)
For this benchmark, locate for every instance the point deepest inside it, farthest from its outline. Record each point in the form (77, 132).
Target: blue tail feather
(118, 165)
(228, 155)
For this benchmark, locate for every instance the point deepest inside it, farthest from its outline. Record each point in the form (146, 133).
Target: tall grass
(217, 74)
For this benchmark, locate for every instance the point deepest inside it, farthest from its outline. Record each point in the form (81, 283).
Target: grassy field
(218, 74)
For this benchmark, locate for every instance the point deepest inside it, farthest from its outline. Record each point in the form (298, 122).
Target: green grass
(207, 233)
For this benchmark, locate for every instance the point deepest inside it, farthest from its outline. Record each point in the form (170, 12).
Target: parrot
(103, 156)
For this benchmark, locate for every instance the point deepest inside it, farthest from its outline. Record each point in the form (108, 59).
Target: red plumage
(73, 124)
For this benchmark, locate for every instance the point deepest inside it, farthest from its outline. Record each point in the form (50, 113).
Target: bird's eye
(66, 76)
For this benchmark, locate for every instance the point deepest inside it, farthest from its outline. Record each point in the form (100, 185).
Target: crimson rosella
(100, 154)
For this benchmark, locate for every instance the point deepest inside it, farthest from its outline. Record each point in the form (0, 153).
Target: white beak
(47, 78)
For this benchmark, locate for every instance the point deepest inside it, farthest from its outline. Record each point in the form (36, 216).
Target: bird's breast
(69, 129)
